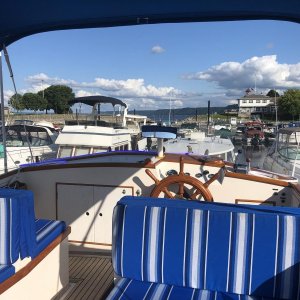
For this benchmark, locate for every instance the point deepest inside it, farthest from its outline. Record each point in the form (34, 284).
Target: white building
(255, 104)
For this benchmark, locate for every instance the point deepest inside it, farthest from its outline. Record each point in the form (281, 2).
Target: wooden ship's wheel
(187, 187)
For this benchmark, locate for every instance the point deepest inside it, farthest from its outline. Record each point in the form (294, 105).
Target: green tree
(57, 97)
(272, 93)
(289, 103)
(34, 101)
(16, 102)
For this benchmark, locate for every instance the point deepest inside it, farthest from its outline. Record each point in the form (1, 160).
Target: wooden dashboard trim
(257, 179)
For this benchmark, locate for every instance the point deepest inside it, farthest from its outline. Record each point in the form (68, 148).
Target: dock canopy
(92, 100)
(19, 18)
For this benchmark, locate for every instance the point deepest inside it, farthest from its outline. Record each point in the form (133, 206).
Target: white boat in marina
(27, 143)
(122, 133)
(198, 143)
(284, 155)
(179, 247)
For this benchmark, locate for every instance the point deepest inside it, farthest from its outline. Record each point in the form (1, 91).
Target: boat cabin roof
(289, 130)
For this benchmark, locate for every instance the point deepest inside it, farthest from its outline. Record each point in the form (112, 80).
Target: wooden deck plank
(73, 262)
(99, 273)
(76, 267)
(94, 274)
(90, 277)
(98, 288)
(103, 287)
(82, 267)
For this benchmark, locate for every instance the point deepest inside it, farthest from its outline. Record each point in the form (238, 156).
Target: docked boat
(284, 155)
(197, 143)
(121, 132)
(69, 212)
(253, 134)
(83, 191)
(27, 143)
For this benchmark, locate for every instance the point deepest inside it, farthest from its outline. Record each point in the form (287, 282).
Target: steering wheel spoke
(181, 190)
(167, 193)
(194, 195)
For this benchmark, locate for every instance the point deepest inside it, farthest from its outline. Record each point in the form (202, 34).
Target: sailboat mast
(3, 116)
(208, 116)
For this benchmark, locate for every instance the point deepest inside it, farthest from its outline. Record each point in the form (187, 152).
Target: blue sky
(148, 65)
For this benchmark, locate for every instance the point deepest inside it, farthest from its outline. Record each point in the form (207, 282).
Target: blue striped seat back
(9, 231)
(245, 250)
(24, 204)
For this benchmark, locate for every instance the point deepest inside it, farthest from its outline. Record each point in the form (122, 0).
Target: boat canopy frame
(93, 100)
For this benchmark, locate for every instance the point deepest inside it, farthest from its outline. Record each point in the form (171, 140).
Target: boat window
(1, 151)
(294, 138)
(39, 138)
(99, 149)
(81, 150)
(290, 153)
(288, 146)
(21, 136)
(65, 151)
(126, 147)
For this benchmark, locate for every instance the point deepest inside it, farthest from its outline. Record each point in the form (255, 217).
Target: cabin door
(88, 210)
(105, 200)
(75, 207)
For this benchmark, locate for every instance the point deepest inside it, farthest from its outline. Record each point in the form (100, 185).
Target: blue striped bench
(20, 234)
(176, 249)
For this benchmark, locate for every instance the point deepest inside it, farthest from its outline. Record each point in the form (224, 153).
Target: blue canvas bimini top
(22, 18)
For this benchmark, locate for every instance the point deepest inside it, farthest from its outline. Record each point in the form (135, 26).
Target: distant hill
(186, 111)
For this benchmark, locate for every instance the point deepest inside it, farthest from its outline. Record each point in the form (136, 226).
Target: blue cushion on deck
(35, 235)
(6, 271)
(127, 289)
(46, 231)
(25, 204)
(238, 249)
(9, 230)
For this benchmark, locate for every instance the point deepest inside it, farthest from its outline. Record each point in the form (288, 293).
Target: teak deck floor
(91, 277)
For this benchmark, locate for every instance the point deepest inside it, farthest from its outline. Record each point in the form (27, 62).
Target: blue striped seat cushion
(9, 231)
(6, 271)
(46, 231)
(127, 289)
(218, 247)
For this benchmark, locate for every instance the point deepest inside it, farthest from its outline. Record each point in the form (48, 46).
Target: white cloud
(177, 103)
(7, 95)
(134, 91)
(157, 49)
(83, 93)
(265, 72)
(129, 88)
